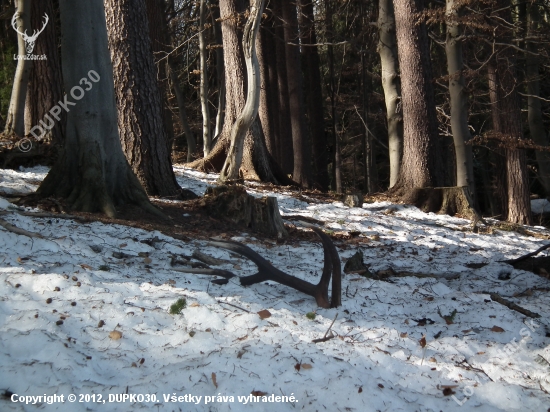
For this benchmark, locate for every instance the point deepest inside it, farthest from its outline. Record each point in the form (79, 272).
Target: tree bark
(302, 152)
(160, 43)
(189, 136)
(203, 88)
(284, 141)
(92, 173)
(314, 96)
(140, 111)
(459, 100)
(220, 75)
(387, 48)
(534, 108)
(15, 120)
(230, 170)
(419, 167)
(45, 86)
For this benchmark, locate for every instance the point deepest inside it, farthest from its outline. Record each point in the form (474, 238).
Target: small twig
(235, 306)
(332, 335)
(527, 256)
(513, 306)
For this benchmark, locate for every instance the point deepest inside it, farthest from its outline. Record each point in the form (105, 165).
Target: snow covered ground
(61, 298)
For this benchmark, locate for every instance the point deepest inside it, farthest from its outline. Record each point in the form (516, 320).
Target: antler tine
(244, 251)
(327, 268)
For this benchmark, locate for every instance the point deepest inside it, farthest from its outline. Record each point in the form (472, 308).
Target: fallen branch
(513, 306)
(527, 256)
(14, 229)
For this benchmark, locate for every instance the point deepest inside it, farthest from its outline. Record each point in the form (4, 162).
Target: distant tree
(15, 120)
(91, 173)
(140, 108)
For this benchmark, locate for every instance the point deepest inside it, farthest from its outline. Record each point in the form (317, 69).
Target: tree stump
(232, 203)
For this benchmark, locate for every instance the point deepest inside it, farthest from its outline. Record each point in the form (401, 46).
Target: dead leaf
(360, 389)
(194, 305)
(480, 353)
(85, 266)
(448, 392)
(306, 366)
(115, 335)
(297, 366)
(294, 322)
(422, 341)
(214, 380)
(147, 260)
(497, 329)
(258, 393)
(123, 245)
(433, 360)
(381, 386)
(466, 330)
(404, 335)
(264, 314)
(237, 267)
(429, 298)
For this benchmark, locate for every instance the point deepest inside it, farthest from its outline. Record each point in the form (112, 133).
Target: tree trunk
(266, 112)
(230, 170)
(387, 48)
(284, 141)
(534, 109)
(300, 144)
(419, 167)
(314, 96)
(15, 120)
(140, 111)
(189, 136)
(220, 75)
(160, 41)
(336, 160)
(459, 100)
(45, 86)
(91, 173)
(203, 88)
(256, 162)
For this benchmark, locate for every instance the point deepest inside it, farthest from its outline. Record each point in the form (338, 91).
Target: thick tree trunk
(459, 100)
(300, 144)
(160, 41)
(230, 170)
(15, 120)
(267, 113)
(45, 86)
(419, 167)
(534, 109)
(140, 111)
(314, 96)
(387, 48)
(203, 88)
(92, 173)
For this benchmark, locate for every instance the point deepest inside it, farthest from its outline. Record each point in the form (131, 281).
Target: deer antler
(266, 271)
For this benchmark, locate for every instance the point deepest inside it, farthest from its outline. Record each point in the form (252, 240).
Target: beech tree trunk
(140, 111)
(387, 48)
(203, 88)
(419, 167)
(92, 173)
(220, 75)
(15, 120)
(300, 144)
(314, 96)
(45, 86)
(534, 108)
(459, 100)
(230, 170)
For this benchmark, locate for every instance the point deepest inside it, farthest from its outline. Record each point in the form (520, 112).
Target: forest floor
(85, 309)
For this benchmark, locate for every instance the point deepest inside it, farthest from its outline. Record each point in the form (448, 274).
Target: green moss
(177, 307)
(311, 315)
(105, 268)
